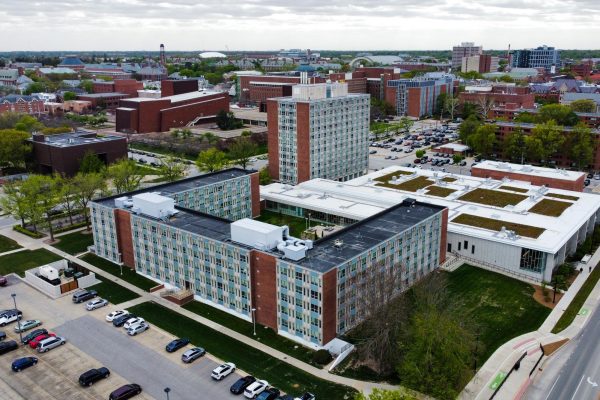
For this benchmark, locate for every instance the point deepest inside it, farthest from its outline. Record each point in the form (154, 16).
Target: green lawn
(501, 307)
(297, 225)
(7, 244)
(263, 334)
(129, 275)
(74, 243)
(495, 198)
(287, 378)
(569, 315)
(496, 225)
(21, 261)
(113, 292)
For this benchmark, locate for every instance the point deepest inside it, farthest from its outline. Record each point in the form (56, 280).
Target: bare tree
(450, 106)
(485, 105)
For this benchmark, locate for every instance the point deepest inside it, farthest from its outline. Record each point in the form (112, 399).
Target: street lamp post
(254, 321)
(14, 297)
(167, 390)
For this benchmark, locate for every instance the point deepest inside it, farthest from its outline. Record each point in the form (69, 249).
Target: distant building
(8, 77)
(73, 62)
(482, 63)
(499, 95)
(321, 131)
(540, 57)
(153, 73)
(568, 98)
(417, 97)
(58, 70)
(109, 100)
(127, 86)
(21, 104)
(465, 49)
(62, 153)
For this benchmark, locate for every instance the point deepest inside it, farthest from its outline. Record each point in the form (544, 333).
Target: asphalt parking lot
(92, 342)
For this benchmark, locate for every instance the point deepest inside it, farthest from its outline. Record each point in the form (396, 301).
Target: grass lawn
(439, 191)
(492, 197)
(7, 244)
(501, 307)
(75, 243)
(551, 208)
(449, 179)
(297, 225)
(569, 315)
(113, 292)
(159, 150)
(287, 378)
(23, 260)
(388, 177)
(263, 334)
(129, 275)
(412, 185)
(562, 196)
(496, 225)
(513, 189)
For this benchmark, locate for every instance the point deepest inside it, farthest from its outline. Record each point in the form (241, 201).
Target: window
(449, 247)
(466, 244)
(458, 246)
(533, 260)
(472, 249)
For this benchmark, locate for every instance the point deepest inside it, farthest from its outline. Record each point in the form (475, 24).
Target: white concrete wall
(87, 280)
(42, 285)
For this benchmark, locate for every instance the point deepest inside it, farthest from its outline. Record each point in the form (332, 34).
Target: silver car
(96, 303)
(192, 354)
(138, 328)
(50, 343)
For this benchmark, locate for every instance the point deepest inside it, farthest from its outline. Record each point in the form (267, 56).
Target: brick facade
(273, 138)
(575, 185)
(303, 141)
(125, 237)
(127, 86)
(263, 276)
(329, 306)
(255, 193)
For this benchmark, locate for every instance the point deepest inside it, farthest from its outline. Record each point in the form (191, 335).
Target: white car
(96, 303)
(222, 371)
(138, 328)
(115, 314)
(133, 321)
(255, 389)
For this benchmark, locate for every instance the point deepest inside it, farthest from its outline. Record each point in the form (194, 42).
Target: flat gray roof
(76, 139)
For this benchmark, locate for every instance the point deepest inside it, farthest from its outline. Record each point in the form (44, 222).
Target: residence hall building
(539, 176)
(127, 86)
(417, 97)
(513, 227)
(321, 131)
(62, 153)
(465, 49)
(504, 95)
(21, 104)
(306, 291)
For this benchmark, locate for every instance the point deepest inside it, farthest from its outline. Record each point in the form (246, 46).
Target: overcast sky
(275, 24)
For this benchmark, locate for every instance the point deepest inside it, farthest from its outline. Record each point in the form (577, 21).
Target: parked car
(222, 371)
(241, 384)
(23, 326)
(32, 335)
(176, 344)
(269, 394)
(394, 157)
(408, 150)
(84, 295)
(3, 280)
(7, 346)
(92, 376)
(307, 396)
(139, 328)
(192, 354)
(35, 341)
(587, 182)
(125, 392)
(590, 175)
(256, 388)
(2, 336)
(417, 161)
(372, 151)
(285, 397)
(9, 316)
(96, 303)
(119, 321)
(133, 321)
(22, 363)
(462, 163)
(50, 343)
(115, 314)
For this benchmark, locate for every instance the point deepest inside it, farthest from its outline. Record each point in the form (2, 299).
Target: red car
(38, 339)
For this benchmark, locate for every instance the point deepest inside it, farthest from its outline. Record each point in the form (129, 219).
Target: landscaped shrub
(25, 231)
(322, 357)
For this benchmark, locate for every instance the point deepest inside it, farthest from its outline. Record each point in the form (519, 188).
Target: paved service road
(578, 376)
(151, 368)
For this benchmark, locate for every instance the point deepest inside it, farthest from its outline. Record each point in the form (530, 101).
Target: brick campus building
(181, 103)
(197, 234)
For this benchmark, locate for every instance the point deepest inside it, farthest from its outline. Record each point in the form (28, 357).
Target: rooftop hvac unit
(338, 243)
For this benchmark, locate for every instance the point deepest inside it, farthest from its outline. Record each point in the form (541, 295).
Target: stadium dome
(212, 54)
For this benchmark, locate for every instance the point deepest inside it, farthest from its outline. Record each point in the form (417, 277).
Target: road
(574, 373)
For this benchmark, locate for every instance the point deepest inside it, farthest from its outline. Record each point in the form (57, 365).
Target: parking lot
(92, 342)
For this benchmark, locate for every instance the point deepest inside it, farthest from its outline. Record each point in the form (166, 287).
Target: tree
(584, 106)
(45, 190)
(457, 158)
(67, 194)
(562, 115)
(467, 128)
(27, 123)
(67, 96)
(171, 169)
(380, 394)
(36, 87)
(485, 105)
(420, 153)
(125, 175)
(226, 121)
(406, 124)
(550, 136)
(450, 106)
(90, 163)
(440, 103)
(211, 160)
(515, 147)
(241, 150)
(581, 145)
(211, 138)
(88, 187)
(264, 178)
(14, 201)
(13, 147)
(483, 140)
(526, 118)
(468, 109)
(87, 85)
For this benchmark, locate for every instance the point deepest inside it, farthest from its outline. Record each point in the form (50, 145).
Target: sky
(315, 24)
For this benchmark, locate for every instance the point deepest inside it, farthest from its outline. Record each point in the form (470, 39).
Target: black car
(119, 321)
(33, 334)
(2, 336)
(285, 397)
(587, 182)
(241, 384)
(125, 392)
(176, 344)
(93, 375)
(84, 295)
(10, 345)
(269, 394)
(590, 176)
(21, 363)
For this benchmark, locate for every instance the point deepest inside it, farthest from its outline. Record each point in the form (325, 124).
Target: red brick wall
(125, 237)
(500, 99)
(180, 115)
(273, 138)
(255, 193)
(576, 185)
(444, 236)
(32, 107)
(303, 141)
(414, 102)
(263, 276)
(128, 86)
(329, 306)
(173, 87)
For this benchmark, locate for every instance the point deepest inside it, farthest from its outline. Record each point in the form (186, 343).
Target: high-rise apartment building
(417, 97)
(321, 131)
(466, 49)
(481, 63)
(541, 57)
